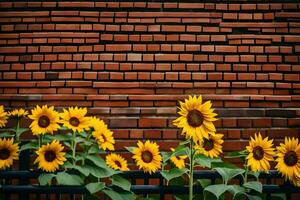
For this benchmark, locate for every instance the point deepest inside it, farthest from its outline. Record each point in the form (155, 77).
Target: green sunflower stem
(191, 172)
(17, 130)
(74, 148)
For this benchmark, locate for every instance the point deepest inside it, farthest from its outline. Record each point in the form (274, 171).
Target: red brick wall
(130, 63)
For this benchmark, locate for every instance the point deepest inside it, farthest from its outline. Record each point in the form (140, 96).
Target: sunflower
(211, 147)
(104, 137)
(45, 120)
(260, 154)
(50, 156)
(288, 160)
(147, 156)
(75, 119)
(8, 152)
(3, 117)
(196, 118)
(178, 161)
(116, 162)
(96, 123)
(18, 113)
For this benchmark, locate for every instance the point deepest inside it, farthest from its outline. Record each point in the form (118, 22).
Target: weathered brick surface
(130, 62)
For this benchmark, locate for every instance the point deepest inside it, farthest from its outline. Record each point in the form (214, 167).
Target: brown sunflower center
(74, 121)
(118, 164)
(44, 121)
(290, 158)
(104, 138)
(50, 156)
(208, 144)
(147, 156)
(4, 154)
(195, 118)
(258, 153)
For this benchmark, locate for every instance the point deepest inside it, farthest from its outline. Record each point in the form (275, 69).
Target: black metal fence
(18, 184)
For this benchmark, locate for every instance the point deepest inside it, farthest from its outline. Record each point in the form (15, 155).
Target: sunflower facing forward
(211, 147)
(178, 161)
(75, 119)
(196, 118)
(18, 113)
(45, 120)
(50, 156)
(288, 160)
(116, 162)
(147, 156)
(3, 117)
(8, 152)
(104, 137)
(260, 154)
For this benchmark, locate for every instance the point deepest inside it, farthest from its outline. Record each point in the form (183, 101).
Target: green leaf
(6, 134)
(223, 164)
(100, 172)
(173, 173)
(127, 195)
(130, 149)
(121, 182)
(228, 173)
(236, 154)
(81, 169)
(184, 143)
(62, 137)
(236, 190)
(30, 145)
(254, 185)
(95, 187)
(20, 131)
(217, 190)
(165, 156)
(64, 178)
(204, 161)
(95, 149)
(63, 128)
(204, 182)
(278, 196)
(255, 174)
(254, 197)
(112, 194)
(45, 179)
(179, 151)
(97, 161)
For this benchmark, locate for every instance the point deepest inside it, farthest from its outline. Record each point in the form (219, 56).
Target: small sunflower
(75, 119)
(104, 137)
(196, 118)
(178, 161)
(96, 123)
(3, 116)
(8, 152)
(45, 120)
(147, 156)
(50, 156)
(18, 113)
(260, 154)
(288, 160)
(116, 162)
(211, 147)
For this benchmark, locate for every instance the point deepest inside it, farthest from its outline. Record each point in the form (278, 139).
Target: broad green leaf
(30, 145)
(6, 134)
(278, 196)
(121, 182)
(64, 178)
(79, 140)
(217, 190)
(113, 195)
(63, 128)
(173, 173)
(165, 156)
(255, 174)
(236, 154)
(254, 197)
(228, 173)
(95, 187)
(45, 179)
(82, 170)
(204, 182)
(181, 197)
(184, 143)
(62, 137)
(67, 164)
(97, 161)
(100, 172)
(254, 185)
(223, 164)
(95, 149)
(130, 149)
(236, 190)
(20, 131)
(179, 151)
(204, 161)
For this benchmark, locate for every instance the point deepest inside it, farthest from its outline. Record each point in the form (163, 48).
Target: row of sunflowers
(69, 148)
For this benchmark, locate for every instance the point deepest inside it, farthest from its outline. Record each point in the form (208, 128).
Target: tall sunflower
(3, 116)
(147, 156)
(260, 154)
(178, 161)
(116, 162)
(104, 137)
(18, 113)
(45, 120)
(50, 156)
(288, 160)
(196, 118)
(75, 119)
(8, 152)
(211, 147)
